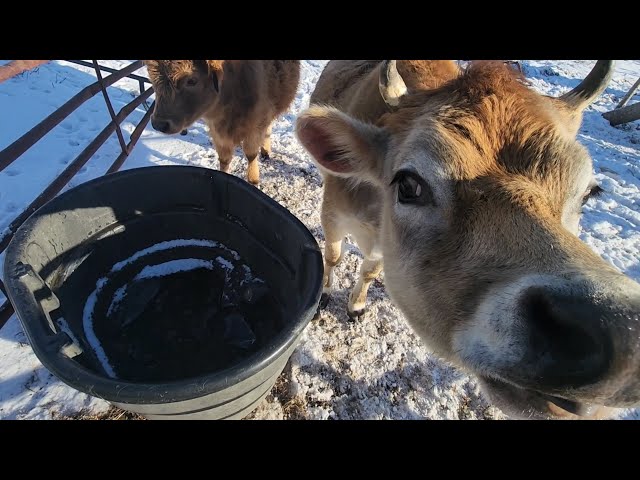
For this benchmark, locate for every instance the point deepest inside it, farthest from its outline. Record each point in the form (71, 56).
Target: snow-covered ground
(375, 368)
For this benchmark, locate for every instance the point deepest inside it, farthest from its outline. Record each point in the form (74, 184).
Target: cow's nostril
(160, 125)
(569, 335)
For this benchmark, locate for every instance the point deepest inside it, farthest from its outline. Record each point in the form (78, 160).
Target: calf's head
(185, 90)
(483, 183)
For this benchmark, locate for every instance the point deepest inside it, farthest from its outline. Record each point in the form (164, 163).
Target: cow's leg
(370, 269)
(333, 252)
(224, 147)
(251, 146)
(265, 149)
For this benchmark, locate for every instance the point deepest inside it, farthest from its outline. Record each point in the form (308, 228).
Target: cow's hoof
(324, 301)
(264, 155)
(356, 314)
(184, 132)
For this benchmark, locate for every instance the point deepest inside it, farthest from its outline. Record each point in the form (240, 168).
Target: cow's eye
(412, 189)
(192, 81)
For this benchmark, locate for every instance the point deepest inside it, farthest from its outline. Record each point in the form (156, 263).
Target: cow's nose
(160, 125)
(572, 335)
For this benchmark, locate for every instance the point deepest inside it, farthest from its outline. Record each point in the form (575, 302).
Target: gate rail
(26, 141)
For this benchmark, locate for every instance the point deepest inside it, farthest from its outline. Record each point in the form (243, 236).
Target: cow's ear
(215, 71)
(341, 145)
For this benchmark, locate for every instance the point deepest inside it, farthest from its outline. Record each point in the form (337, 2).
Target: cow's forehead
(544, 157)
(170, 69)
(484, 121)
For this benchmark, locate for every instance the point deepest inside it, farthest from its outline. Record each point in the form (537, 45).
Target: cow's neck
(240, 80)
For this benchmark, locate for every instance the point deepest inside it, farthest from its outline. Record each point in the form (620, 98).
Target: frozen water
(238, 332)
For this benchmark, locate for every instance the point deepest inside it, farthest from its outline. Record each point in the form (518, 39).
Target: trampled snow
(374, 368)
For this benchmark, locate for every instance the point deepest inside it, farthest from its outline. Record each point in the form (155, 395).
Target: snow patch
(174, 266)
(158, 247)
(89, 331)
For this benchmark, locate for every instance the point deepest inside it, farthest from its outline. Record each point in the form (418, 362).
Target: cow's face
(483, 182)
(185, 90)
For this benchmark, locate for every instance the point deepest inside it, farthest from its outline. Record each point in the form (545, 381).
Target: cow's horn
(391, 85)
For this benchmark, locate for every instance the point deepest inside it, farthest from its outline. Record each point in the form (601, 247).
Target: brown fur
(493, 125)
(506, 178)
(250, 94)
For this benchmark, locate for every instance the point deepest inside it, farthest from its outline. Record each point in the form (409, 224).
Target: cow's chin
(184, 125)
(179, 128)
(521, 404)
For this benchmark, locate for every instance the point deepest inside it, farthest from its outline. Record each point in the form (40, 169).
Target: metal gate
(26, 141)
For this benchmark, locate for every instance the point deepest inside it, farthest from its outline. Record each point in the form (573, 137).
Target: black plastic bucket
(63, 253)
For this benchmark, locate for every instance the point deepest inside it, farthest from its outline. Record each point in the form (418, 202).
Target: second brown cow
(238, 100)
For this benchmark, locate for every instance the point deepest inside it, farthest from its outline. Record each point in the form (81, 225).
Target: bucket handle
(39, 302)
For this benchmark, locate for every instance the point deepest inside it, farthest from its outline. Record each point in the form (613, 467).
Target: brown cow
(471, 187)
(238, 100)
